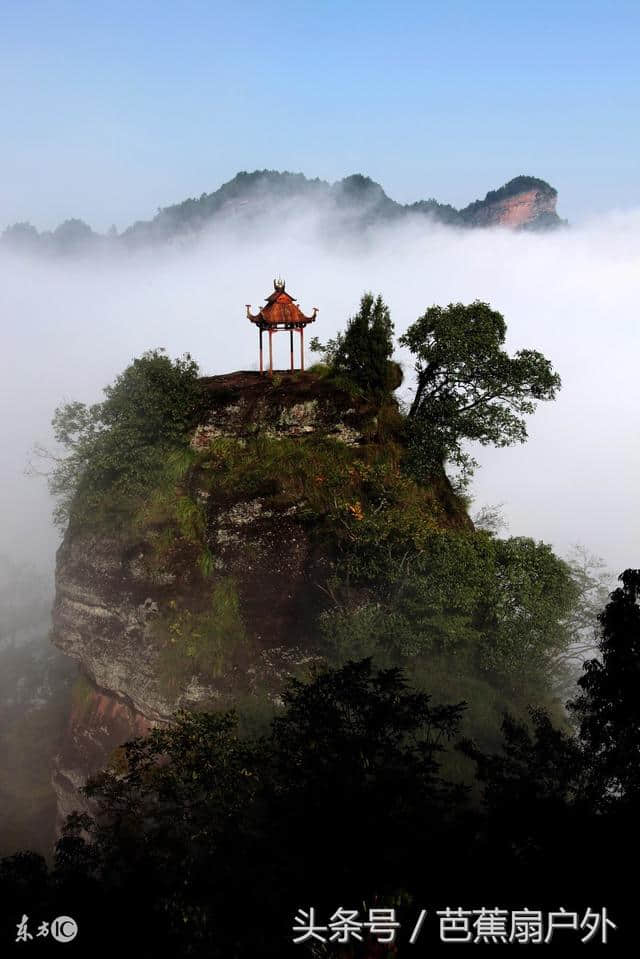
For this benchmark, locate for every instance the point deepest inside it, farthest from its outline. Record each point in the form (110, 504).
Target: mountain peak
(525, 201)
(355, 203)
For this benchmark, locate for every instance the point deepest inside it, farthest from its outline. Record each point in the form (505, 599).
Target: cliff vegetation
(288, 629)
(227, 532)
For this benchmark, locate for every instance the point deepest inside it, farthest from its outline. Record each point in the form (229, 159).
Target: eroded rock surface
(109, 597)
(243, 404)
(529, 208)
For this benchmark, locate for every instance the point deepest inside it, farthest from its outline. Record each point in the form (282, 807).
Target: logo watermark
(62, 929)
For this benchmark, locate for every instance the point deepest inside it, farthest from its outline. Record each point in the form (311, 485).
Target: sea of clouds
(71, 325)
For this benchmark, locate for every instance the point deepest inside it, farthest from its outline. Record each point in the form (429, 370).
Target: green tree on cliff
(468, 387)
(362, 354)
(116, 448)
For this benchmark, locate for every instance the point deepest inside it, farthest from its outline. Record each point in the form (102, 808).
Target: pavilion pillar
(302, 348)
(291, 347)
(260, 336)
(270, 352)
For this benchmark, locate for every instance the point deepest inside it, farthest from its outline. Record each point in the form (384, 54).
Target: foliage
(499, 606)
(518, 185)
(117, 448)
(532, 753)
(591, 582)
(171, 521)
(354, 754)
(490, 518)
(553, 797)
(536, 804)
(470, 616)
(608, 707)
(72, 235)
(468, 387)
(201, 827)
(408, 579)
(357, 500)
(327, 352)
(525, 613)
(361, 355)
(592, 578)
(440, 212)
(21, 237)
(369, 629)
(200, 643)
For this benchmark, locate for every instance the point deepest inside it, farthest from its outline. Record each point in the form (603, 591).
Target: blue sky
(109, 110)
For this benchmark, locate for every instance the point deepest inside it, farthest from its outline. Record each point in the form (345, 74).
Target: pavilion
(281, 312)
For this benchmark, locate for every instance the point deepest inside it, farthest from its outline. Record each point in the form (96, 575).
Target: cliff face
(98, 723)
(524, 202)
(149, 630)
(524, 209)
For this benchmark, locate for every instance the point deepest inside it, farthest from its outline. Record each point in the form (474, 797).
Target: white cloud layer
(70, 326)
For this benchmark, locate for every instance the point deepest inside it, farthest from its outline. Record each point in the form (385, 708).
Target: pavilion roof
(280, 309)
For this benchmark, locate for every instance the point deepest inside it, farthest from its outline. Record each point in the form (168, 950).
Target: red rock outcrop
(524, 202)
(519, 210)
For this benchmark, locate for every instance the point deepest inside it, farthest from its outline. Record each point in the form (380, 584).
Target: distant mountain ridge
(355, 202)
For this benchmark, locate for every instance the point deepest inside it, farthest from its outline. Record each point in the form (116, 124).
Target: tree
(591, 582)
(468, 387)
(21, 236)
(562, 803)
(212, 840)
(502, 603)
(119, 445)
(608, 708)
(490, 518)
(72, 236)
(533, 787)
(362, 354)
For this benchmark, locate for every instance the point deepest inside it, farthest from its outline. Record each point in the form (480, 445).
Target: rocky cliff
(523, 202)
(523, 209)
(213, 591)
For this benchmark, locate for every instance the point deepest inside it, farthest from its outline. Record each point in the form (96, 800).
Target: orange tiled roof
(281, 309)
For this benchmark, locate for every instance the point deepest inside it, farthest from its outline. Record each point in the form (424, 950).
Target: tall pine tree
(365, 349)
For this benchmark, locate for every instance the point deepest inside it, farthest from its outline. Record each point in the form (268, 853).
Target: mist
(71, 325)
